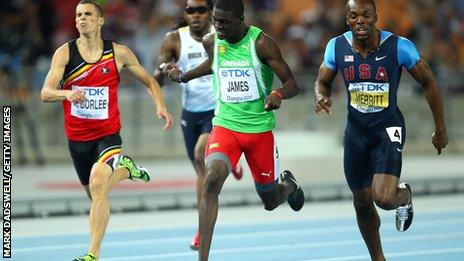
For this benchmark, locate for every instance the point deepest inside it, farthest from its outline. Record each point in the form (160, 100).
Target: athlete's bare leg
(217, 174)
(199, 164)
(386, 193)
(117, 176)
(368, 222)
(99, 187)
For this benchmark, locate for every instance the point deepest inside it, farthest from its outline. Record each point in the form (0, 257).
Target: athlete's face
(88, 19)
(361, 17)
(226, 24)
(197, 14)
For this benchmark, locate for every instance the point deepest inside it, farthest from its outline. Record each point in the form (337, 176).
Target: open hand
(163, 113)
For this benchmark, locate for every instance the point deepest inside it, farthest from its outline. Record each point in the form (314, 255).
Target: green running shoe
(135, 171)
(86, 257)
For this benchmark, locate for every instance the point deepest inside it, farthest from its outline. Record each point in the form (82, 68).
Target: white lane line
(322, 244)
(421, 252)
(248, 235)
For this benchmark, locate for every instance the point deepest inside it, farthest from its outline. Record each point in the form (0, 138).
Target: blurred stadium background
(30, 30)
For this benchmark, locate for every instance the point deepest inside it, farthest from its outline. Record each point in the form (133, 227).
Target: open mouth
(362, 31)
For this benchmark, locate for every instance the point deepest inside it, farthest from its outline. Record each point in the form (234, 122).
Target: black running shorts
(373, 151)
(84, 154)
(193, 125)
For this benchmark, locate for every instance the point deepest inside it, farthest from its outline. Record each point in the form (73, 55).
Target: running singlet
(372, 82)
(98, 116)
(241, 83)
(197, 94)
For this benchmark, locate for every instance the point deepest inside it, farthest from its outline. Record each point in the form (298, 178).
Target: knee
(384, 201)
(213, 183)
(98, 180)
(363, 207)
(199, 159)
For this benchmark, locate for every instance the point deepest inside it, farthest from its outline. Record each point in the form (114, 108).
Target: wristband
(278, 94)
(180, 77)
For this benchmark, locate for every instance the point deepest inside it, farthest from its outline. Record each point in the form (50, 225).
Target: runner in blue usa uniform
(371, 63)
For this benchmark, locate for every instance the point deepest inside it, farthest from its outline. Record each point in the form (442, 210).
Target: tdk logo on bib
(96, 104)
(238, 85)
(236, 73)
(369, 87)
(95, 92)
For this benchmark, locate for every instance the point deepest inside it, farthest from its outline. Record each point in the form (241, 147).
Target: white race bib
(394, 133)
(238, 85)
(96, 105)
(369, 97)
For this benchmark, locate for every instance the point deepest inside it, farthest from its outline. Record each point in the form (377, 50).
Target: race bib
(369, 97)
(394, 133)
(238, 85)
(96, 105)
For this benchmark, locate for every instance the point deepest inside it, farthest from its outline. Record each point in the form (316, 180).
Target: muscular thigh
(223, 145)
(386, 156)
(357, 167)
(85, 153)
(262, 156)
(109, 150)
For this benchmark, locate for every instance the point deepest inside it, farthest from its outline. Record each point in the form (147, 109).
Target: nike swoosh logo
(399, 150)
(380, 58)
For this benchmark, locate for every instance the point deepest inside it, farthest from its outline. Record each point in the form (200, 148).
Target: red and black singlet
(98, 116)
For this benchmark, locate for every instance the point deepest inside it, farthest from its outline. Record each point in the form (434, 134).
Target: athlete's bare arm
(50, 91)
(169, 54)
(269, 53)
(423, 75)
(323, 89)
(125, 58)
(202, 69)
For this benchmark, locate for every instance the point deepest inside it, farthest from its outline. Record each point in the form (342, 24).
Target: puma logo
(266, 174)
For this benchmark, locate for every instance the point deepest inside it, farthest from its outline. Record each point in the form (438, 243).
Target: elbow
(44, 96)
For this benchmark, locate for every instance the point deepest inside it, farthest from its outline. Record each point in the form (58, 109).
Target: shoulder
(404, 42)
(61, 55)
(208, 39)
(264, 40)
(173, 35)
(63, 49)
(123, 53)
(121, 49)
(408, 55)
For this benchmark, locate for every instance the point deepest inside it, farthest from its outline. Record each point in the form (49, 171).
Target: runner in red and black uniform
(84, 75)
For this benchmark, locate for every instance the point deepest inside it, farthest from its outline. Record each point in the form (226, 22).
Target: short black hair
(372, 2)
(93, 2)
(209, 3)
(234, 6)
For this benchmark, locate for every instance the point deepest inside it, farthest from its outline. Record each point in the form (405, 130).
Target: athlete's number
(394, 133)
